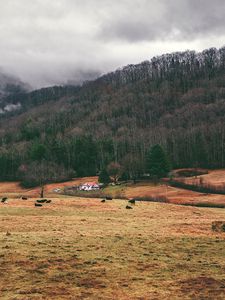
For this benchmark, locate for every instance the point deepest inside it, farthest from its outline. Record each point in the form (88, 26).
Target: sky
(47, 42)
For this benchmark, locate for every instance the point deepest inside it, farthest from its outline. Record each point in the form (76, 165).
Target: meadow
(76, 248)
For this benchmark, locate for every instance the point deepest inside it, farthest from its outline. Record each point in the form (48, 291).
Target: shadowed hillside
(176, 100)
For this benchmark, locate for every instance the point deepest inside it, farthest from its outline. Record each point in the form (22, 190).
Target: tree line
(175, 100)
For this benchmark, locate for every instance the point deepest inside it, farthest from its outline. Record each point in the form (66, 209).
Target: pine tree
(104, 177)
(37, 152)
(157, 162)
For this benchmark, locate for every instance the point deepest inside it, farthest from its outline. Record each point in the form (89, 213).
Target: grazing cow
(24, 198)
(48, 201)
(4, 200)
(129, 207)
(41, 201)
(132, 201)
(103, 200)
(38, 204)
(108, 198)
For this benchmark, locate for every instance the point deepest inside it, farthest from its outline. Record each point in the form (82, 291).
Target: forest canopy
(176, 101)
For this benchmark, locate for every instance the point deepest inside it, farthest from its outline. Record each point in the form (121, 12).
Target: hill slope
(176, 100)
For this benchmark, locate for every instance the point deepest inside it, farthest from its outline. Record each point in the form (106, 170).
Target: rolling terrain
(80, 248)
(175, 100)
(77, 248)
(130, 190)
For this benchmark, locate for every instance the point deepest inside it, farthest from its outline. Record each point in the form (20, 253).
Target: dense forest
(175, 100)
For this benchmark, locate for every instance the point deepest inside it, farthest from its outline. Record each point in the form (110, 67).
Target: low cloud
(54, 42)
(10, 108)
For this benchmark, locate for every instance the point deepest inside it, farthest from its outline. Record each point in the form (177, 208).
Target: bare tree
(40, 173)
(115, 170)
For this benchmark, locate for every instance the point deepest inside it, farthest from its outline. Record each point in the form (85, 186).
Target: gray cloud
(167, 20)
(48, 42)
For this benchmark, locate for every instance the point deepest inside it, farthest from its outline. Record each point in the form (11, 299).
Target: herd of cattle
(41, 202)
(38, 203)
(131, 201)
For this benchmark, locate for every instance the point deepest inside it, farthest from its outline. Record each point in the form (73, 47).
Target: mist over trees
(176, 101)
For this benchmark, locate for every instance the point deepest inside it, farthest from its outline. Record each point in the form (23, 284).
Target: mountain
(176, 100)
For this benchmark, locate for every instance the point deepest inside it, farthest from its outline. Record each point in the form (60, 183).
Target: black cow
(4, 199)
(108, 198)
(129, 207)
(41, 201)
(103, 200)
(38, 204)
(24, 198)
(132, 201)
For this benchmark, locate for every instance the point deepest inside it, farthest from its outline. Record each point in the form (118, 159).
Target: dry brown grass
(76, 248)
(174, 195)
(14, 190)
(214, 177)
(181, 196)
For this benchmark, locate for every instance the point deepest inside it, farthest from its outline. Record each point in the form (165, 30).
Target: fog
(47, 42)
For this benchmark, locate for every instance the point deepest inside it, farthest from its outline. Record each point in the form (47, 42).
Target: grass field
(146, 189)
(76, 248)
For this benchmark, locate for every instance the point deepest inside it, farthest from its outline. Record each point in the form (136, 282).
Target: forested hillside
(176, 100)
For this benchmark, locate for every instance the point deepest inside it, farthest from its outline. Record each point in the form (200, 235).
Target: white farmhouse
(89, 186)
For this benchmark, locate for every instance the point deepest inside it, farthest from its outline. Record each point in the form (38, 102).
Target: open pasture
(76, 248)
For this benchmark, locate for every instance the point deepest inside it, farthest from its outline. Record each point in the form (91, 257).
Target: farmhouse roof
(90, 183)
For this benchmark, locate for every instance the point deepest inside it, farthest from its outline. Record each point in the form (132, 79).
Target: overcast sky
(47, 42)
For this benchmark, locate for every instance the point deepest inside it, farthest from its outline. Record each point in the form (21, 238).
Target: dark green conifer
(157, 162)
(104, 177)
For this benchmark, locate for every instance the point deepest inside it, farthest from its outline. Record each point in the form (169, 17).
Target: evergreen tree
(37, 152)
(104, 177)
(157, 162)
